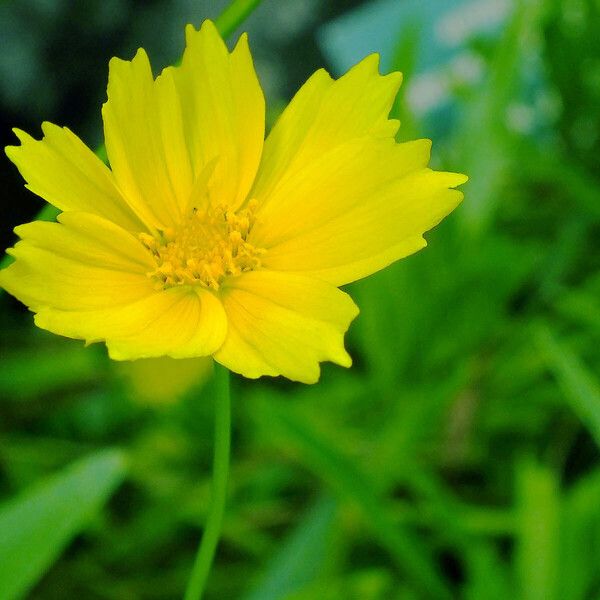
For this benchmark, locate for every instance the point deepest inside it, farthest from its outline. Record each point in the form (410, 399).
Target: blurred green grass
(458, 458)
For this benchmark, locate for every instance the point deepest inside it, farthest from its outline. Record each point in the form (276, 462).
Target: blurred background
(458, 458)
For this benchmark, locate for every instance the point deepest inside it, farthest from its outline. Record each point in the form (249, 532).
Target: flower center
(204, 249)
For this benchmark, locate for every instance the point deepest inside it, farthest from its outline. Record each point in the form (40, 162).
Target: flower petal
(65, 172)
(323, 115)
(134, 124)
(195, 132)
(364, 205)
(284, 324)
(89, 239)
(86, 278)
(83, 262)
(223, 111)
(178, 322)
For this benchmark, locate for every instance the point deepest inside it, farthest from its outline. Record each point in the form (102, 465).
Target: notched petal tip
(19, 230)
(242, 46)
(209, 25)
(23, 136)
(120, 71)
(117, 65)
(452, 180)
(115, 353)
(243, 39)
(394, 79)
(372, 63)
(17, 131)
(13, 150)
(49, 132)
(115, 62)
(461, 179)
(208, 30)
(346, 361)
(189, 29)
(48, 128)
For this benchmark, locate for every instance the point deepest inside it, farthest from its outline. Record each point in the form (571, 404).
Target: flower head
(203, 238)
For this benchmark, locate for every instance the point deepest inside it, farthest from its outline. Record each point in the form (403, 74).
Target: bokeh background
(458, 458)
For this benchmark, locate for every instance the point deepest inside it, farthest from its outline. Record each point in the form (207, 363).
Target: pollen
(206, 248)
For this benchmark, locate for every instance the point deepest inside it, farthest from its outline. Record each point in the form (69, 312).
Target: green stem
(234, 15)
(214, 522)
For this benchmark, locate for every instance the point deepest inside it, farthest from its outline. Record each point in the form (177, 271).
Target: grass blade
(36, 526)
(581, 390)
(301, 556)
(538, 531)
(411, 557)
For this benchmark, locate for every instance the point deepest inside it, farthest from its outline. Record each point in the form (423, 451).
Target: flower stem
(214, 522)
(234, 15)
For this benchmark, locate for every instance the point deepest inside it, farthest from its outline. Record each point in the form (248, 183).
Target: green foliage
(458, 458)
(37, 525)
(299, 560)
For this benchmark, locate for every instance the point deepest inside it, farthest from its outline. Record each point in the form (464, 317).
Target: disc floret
(206, 248)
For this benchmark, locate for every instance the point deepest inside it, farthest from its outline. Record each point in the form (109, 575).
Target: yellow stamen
(205, 249)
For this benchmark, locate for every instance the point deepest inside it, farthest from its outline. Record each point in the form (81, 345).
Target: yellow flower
(203, 238)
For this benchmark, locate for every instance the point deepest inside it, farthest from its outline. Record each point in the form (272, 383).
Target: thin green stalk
(214, 522)
(234, 15)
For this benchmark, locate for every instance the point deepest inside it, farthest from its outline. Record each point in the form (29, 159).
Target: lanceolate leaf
(580, 388)
(301, 556)
(36, 526)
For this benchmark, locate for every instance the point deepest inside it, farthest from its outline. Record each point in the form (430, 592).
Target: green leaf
(580, 557)
(486, 151)
(538, 531)
(412, 557)
(301, 556)
(488, 576)
(580, 388)
(36, 526)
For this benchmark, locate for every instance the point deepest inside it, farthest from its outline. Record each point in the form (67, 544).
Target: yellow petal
(362, 206)
(89, 239)
(284, 324)
(194, 133)
(86, 278)
(85, 262)
(178, 322)
(65, 172)
(323, 115)
(223, 112)
(134, 120)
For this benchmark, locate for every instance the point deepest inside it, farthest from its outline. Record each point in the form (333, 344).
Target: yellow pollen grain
(204, 249)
